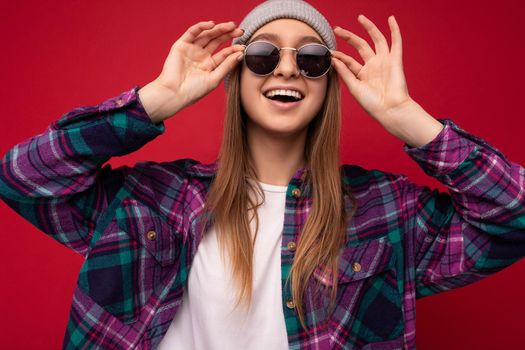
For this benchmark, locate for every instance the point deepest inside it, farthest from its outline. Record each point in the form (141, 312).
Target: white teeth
(295, 94)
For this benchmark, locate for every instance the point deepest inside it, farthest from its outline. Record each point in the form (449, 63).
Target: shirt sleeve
(477, 228)
(56, 180)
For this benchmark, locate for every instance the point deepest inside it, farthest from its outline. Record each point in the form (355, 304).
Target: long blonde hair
(231, 207)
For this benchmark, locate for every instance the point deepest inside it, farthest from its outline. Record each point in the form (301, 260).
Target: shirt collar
(204, 170)
(209, 170)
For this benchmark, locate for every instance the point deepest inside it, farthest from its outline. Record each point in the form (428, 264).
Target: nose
(287, 67)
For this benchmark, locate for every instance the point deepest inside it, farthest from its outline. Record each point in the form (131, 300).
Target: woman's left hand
(379, 84)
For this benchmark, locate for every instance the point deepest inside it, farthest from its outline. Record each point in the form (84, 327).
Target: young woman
(275, 245)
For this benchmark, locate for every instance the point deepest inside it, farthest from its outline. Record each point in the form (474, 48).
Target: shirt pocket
(369, 304)
(129, 261)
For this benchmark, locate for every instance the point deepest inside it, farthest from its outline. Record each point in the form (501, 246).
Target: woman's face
(274, 117)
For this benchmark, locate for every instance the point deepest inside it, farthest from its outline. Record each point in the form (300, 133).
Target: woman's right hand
(191, 69)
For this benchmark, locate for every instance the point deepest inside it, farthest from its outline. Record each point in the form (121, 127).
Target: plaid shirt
(139, 228)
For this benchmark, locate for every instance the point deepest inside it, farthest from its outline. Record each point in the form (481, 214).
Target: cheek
(319, 92)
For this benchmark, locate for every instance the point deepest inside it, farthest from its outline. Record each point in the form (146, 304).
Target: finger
(223, 54)
(379, 39)
(344, 72)
(396, 49)
(195, 30)
(204, 38)
(215, 43)
(350, 62)
(360, 44)
(227, 64)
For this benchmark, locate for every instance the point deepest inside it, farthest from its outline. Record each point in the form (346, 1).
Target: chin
(283, 129)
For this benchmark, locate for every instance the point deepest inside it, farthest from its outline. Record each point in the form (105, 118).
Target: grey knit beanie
(271, 10)
(297, 9)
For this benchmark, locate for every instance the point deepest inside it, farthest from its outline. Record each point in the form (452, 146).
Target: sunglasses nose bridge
(292, 60)
(293, 49)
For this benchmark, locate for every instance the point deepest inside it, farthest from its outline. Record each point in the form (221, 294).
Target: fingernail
(240, 57)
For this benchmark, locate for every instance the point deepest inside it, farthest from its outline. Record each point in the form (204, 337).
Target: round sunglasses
(313, 60)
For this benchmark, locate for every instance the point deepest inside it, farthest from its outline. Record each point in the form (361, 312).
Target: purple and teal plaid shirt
(139, 228)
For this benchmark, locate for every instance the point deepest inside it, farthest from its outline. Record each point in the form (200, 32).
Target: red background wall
(463, 60)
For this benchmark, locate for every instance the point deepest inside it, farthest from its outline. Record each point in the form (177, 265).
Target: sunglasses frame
(286, 48)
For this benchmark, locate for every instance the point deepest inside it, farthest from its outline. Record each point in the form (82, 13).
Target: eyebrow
(273, 37)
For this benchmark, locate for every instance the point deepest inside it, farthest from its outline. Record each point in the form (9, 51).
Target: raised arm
(477, 228)
(453, 238)
(56, 179)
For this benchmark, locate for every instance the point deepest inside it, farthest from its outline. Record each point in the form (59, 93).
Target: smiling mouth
(285, 96)
(285, 99)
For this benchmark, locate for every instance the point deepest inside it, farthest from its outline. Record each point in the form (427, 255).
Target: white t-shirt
(207, 320)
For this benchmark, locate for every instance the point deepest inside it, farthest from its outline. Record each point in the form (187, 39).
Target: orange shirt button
(151, 235)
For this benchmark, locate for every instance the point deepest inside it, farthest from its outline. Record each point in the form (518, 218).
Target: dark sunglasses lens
(314, 60)
(261, 58)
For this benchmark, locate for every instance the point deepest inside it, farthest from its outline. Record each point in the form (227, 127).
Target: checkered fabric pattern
(139, 228)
